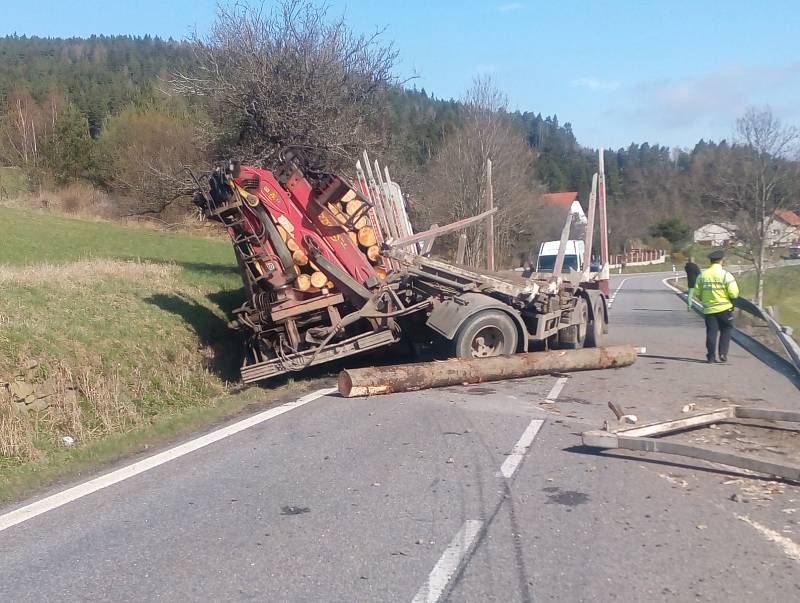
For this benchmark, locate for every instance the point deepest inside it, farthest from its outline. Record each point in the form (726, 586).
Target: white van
(573, 256)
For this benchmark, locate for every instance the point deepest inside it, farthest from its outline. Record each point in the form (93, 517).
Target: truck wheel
(574, 336)
(488, 333)
(594, 335)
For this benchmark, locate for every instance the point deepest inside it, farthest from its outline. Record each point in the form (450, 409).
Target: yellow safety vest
(715, 289)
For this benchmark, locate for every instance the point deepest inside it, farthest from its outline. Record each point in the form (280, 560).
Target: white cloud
(717, 95)
(593, 83)
(511, 7)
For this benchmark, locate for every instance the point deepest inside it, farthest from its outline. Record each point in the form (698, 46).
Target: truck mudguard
(447, 316)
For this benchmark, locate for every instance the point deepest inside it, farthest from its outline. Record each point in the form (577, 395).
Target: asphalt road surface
(478, 493)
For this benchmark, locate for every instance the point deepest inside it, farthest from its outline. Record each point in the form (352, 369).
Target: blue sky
(665, 72)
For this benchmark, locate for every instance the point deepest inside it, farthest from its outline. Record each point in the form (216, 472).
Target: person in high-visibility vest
(716, 288)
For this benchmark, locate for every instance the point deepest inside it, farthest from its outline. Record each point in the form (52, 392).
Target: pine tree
(69, 153)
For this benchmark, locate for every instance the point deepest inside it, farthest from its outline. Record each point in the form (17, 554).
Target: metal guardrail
(788, 342)
(745, 305)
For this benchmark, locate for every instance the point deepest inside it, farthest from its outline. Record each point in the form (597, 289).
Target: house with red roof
(784, 229)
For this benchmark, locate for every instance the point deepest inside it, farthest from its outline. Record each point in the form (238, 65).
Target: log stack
(351, 212)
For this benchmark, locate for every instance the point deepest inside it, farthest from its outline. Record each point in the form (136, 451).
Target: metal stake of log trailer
(490, 221)
(645, 438)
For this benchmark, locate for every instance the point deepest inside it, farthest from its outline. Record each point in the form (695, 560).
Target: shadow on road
(641, 458)
(673, 358)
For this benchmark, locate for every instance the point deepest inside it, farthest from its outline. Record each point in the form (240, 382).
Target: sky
(621, 71)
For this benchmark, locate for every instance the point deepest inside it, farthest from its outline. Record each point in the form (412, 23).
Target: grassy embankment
(782, 290)
(121, 332)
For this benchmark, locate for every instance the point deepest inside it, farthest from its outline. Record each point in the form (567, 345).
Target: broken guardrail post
(457, 371)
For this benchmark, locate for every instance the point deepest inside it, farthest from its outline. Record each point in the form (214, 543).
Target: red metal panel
(348, 254)
(282, 209)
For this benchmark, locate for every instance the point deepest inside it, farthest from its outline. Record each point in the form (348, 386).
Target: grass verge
(110, 337)
(782, 290)
(665, 267)
(19, 479)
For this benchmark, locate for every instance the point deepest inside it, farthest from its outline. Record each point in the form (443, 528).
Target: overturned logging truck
(332, 269)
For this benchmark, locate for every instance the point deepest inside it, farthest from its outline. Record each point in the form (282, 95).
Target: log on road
(423, 375)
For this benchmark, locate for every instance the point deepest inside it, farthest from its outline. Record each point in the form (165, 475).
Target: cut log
(353, 207)
(318, 280)
(330, 285)
(282, 232)
(349, 196)
(411, 377)
(373, 253)
(366, 236)
(341, 216)
(292, 245)
(303, 282)
(300, 258)
(380, 272)
(353, 236)
(361, 222)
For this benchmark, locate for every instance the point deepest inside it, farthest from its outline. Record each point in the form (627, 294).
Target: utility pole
(601, 201)
(490, 220)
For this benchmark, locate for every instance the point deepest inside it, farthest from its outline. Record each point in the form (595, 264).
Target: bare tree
(757, 180)
(290, 77)
(455, 185)
(25, 128)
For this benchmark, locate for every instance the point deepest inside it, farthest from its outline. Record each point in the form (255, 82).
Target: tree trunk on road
(457, 371)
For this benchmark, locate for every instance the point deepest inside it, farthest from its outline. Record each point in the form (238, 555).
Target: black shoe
(723, 359)
(711, 360)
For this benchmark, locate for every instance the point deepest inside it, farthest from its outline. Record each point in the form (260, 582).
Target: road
(436, 495)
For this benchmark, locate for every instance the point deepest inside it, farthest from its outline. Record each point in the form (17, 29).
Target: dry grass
(82, 200)
(64, 416)
(87, 272)
(78, 199)
(109, 401)
(122, 341)
(17, 435)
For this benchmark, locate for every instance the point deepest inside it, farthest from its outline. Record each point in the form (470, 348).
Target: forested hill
(100, 75)
(103, 75)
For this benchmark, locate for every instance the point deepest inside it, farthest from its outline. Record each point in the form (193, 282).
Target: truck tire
(573, 337)
(597, 326)
(488, 333)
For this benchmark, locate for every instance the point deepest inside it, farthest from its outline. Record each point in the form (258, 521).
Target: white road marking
(697, 305)
(559, 385)
(59, 499)
(643, 275)
(513, 460)
(449, 563)
(790, 548)
(673, 287)
(614, 295)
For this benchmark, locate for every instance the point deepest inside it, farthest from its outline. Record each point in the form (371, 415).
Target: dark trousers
(719, 325)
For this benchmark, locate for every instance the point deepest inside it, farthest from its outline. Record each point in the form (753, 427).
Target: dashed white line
(614, 295)
(449, 563)
(59, 499)
(556, 390)
(513, 460)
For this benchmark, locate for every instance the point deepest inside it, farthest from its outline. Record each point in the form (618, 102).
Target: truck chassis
(403, 296)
